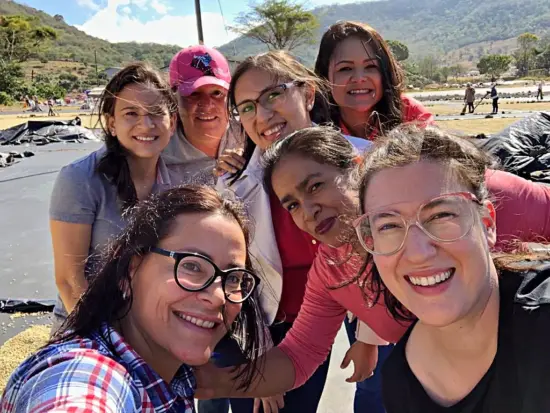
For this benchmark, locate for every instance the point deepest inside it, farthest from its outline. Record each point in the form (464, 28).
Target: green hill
(75, 45)
(431, 26)
(457, 30)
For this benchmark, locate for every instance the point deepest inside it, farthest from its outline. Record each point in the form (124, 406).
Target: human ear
(489, 222)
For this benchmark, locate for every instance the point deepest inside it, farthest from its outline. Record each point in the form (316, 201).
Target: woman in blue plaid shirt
(171, 286)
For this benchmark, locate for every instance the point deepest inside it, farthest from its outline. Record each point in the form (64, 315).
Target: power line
(225, 26)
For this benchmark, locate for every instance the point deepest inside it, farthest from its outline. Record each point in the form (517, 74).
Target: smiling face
(464, 268)
(204, 113)
(141, 121)
(316, 195)
(354, 75)
(268, 126)
(169, 325)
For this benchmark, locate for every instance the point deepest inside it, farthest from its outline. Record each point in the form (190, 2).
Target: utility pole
(199, 20)
(96, 72)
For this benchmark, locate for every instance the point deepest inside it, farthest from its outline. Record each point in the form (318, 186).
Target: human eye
(191, 266)
(245, 108)
(291, 206)
(218, 94)
(345, 68)
(315, 187)
(387, 224)
(273, 94)
(442, 216)
(131, 114)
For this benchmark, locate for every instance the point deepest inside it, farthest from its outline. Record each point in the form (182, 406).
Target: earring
(113, 132)
(309, 107)
(374, 95)
(124, 296)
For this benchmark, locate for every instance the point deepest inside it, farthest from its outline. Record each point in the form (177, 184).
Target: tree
(525, 54)
(21, 37)
(11, 77)
(399, 50)
(427, 67)
(494, 64)
(279, 24)
(445, 72)
(456, 71)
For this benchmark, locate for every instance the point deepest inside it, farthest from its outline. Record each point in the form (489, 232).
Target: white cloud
(126, 10)
(89, 4)
(159, 7)
(317, 3)
(113, 23)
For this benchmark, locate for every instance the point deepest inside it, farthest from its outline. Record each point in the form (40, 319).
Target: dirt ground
(476, 126)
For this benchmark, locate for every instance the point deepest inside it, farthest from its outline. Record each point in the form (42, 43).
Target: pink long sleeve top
(523, 213)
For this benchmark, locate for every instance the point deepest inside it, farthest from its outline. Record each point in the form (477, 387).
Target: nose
(147, 121)
(213, 296)
(418, 247)
(311, 210)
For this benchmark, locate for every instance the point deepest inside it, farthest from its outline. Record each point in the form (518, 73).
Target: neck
(144, 173)
(475, 335)
(356, 122)
(206, 143)
(162, 362)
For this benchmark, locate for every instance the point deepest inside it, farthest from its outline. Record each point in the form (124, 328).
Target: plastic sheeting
(42, 132)
(524, 147)
(26, 306)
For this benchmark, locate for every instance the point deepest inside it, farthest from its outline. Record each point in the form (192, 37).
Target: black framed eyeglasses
(269, 99)
(194, 272)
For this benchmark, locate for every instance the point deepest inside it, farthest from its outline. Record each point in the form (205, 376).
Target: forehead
(410, 186)
(253, 82)
(217, 235)
(208, 89)
(138, 95)
(293, 169)
(353, 49)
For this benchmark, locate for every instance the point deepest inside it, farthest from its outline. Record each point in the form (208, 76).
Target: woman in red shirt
(366, 82)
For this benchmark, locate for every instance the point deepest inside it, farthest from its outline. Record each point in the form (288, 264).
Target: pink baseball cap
(197, 66)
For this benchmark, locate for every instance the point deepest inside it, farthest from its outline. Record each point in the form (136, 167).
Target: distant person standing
(470, 97)
(539, 91)
(51, 112)
(494, 95)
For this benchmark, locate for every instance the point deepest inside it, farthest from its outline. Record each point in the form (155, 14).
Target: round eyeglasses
(446, 218)
(194, 272)
(269, 99)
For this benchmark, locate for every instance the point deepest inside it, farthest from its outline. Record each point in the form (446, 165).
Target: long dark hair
(387, 112)
(109, 297)
(283, 67)
(113, 165)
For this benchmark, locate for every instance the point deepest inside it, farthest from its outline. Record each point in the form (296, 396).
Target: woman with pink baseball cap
(200, 76)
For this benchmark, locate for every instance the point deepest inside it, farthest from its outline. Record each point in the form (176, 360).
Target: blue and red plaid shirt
(91, 375)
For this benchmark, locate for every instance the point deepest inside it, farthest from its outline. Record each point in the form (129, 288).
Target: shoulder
(78, 373)
(83, 168)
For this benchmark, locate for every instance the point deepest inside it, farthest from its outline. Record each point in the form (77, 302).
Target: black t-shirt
(518, 380)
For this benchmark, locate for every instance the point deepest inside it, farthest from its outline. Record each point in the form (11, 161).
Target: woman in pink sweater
(311, 172)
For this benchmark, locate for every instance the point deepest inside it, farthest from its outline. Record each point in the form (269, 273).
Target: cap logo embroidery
(202, 63)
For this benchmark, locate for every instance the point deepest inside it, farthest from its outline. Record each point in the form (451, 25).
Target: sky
(157, 21)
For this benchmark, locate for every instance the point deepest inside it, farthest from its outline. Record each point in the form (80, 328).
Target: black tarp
(26, 306)
(523, 148)
(42, 132)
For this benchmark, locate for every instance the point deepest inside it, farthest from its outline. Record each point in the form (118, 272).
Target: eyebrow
(229, 266)
(129, 107)
(351, 61)
(301, 186)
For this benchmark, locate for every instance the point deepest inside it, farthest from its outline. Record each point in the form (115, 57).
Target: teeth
(431, 280)
(206, 117)
(359, 91)
(146, 138)
(276, 129)
(196, 321)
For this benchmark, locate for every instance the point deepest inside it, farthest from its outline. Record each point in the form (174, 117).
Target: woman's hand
(364, 357)
(271, 404)
(231, 160)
